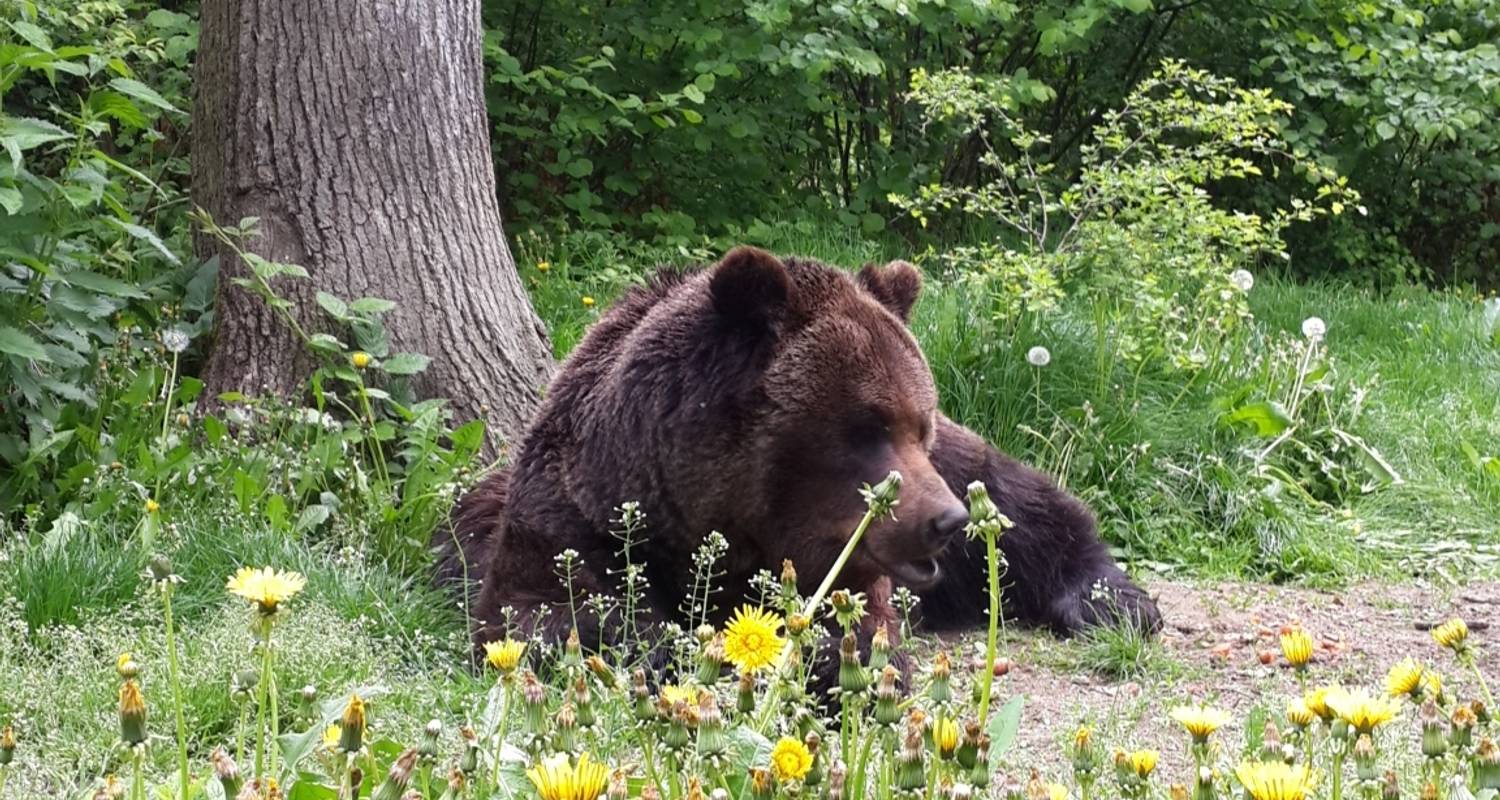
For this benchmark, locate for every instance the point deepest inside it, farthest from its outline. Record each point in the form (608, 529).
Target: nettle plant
(1136, 226)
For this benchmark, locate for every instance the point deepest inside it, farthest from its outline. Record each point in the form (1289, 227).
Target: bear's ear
(896, 285)
(750, 287)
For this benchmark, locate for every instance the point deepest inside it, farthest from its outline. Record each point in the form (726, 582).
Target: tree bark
(355, 130)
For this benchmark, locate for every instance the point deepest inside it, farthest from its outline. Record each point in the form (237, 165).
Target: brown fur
(753, 399)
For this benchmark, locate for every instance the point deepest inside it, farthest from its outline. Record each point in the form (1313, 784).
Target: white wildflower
(1038, 356)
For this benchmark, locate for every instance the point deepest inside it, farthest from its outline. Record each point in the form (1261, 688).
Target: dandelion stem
(138, 781)
(992, 558)
(1489, 699)
(174, 676)
(261, 707)
(501, 726)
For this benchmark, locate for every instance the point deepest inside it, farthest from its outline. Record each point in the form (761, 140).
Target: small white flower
(174, 339)
(1242, 279)
(1314, 327)
(1038, 356)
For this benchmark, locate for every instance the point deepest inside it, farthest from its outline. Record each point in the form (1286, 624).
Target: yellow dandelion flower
(266, 587)
(674, 694)
(543, 266)
(588, 302)
(1143, 762)
(1363, 712)
(1057, 791)
(1200, 721)
(1317, 700)
(331, 736)
(1453, 634)
(352, 725)
(945, 736)
(152, 506)
(504, 656)
(1404, 679)
(556, 779)
(751, 641)
(360, 359)
(1296, 646)
(1274, 780)
(1299, 714)
(1432, 685)
(790, 760)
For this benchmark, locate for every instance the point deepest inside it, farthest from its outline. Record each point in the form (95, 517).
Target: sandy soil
(1212, 650)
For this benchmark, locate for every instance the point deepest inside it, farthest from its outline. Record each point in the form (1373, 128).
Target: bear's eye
(868, 430)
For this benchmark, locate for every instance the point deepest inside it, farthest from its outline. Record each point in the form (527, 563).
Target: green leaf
(311, 517)
(142, 92)
(18, 343)
(84, 279)
(19, 134)
(1267, 417)
(334, 306)
(32, 33)
(149, 237)
(1005, 724)
(10, 199)
(405, 363)
(371, 305)
(693, 93)
(692, 117)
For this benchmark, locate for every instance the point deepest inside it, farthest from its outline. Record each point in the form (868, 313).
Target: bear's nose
(947, 525)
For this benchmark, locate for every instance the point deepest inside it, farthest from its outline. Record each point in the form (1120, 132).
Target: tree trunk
(355, 130)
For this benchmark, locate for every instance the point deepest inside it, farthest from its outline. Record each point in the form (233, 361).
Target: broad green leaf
(149, 237)
(405, 363)
(1005, 724)
(18, 343)
(32, 33)
(1267, 417)
(693, 93)
(371, 305)
(334, 306)
(142, 92)
(10, 199)
(100, 283)
(311, 517)
(19, 134)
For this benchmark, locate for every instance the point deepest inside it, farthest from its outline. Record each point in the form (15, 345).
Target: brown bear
(754, 398)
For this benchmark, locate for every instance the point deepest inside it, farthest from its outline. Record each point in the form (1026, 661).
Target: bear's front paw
(1111, 599)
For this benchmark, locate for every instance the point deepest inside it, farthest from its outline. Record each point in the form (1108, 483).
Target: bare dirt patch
(1212, 650)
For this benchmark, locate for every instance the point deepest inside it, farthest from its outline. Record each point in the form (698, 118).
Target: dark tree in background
(355, 131)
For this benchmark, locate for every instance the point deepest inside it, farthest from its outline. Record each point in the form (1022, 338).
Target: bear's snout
(946, 526)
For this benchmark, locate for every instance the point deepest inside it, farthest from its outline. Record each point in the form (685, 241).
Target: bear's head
(844, 396)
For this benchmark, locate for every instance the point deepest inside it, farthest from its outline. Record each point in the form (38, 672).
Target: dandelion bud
(887, 697)
(565, 738)
(1036, 788)
(619, 786)
(1085, 754)
(397, 777)
(760, 783)
(679, 724)
(789, 594)
(456, 782)
(649, 792)
(848, 609)
(1429, 791)
(7, 745)
(584, 700)
(534, 699)
(468, 760)
(645, 710)
(1270, 743)
(352, 725)
(815, 772)
(884, 496)
(1434, 738)
(573, 651)
(127, 667)
(711, 661)
(601, 671)
(1481, 712)
(797, 624)
(1364, 757)
(1178, 792)
(852, 678)
(980, 774)
(242, 683)
(1487, 765)
(1011, 788)
(1461, 735)
(837, 775)
(431, 735)
(132, 713)
(985, 519)
(160, 569)
(1390, 786)
(226, 772)
(968, 745)
(909, 772)
(309, 694)
(1203, 786)
(711, 739)
(704, 633)
(250, 791)
(941, 690)
(745, 701)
